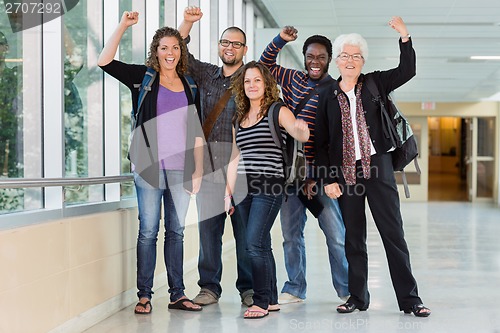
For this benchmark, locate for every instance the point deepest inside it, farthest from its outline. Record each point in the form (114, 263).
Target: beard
(229, 62)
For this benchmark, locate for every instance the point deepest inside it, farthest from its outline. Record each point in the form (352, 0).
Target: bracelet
(407, 36)
(227, 196)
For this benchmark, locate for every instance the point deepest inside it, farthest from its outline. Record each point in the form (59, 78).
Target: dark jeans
(210, 203)
(259, 212)
(383, 198)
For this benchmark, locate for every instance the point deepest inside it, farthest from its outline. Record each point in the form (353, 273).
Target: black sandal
(348, 308)
(179, 305)
(419, 310)
(145, 306)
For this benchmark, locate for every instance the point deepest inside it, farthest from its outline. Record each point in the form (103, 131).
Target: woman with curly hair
(257, 160)
(166, 154)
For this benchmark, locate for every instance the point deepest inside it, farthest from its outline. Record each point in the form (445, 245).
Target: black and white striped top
(260, 159)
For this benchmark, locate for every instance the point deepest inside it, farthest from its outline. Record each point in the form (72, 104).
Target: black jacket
(328, 134)
(144, 144)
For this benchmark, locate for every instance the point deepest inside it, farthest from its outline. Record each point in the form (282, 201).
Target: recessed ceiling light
(485, 57)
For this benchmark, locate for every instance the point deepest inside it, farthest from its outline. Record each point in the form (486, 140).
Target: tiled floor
(455, 252)
(447, 187)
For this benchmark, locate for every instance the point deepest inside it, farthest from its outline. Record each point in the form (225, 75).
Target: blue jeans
(175, 204)
(293, 220)
(212, 218)
(259, 211)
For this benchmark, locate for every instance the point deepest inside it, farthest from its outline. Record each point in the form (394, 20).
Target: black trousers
(381, 192)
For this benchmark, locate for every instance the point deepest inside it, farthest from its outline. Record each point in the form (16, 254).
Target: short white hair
(352, 39)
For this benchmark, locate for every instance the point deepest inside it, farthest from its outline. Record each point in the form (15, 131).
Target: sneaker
(247, 298)
(206, 297)
(286, 298)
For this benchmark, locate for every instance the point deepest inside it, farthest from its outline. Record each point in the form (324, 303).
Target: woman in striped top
(258, 161)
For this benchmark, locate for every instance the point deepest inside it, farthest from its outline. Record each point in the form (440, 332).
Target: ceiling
(445, 34)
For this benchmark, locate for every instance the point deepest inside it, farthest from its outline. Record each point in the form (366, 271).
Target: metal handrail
(48, 182)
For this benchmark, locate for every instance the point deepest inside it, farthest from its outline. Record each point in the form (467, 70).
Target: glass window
(11, 156)
(485, 176)
(83, 128)
(131, 51)
(162, 13)
(485, 136)
(20, 119)
(485, 152)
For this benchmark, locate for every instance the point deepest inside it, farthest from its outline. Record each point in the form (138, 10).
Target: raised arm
(270, 54)
(192, 14)
(109, 51)
(397, 24)
(394, 78)
(297, 128)
(289, 33)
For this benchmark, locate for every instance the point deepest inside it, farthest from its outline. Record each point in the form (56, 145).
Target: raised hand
(108, 52)
(289, 33)
(397, 24)
(129, 18)
(192, 14)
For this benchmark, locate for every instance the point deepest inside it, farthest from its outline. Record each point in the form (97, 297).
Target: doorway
(447, 163)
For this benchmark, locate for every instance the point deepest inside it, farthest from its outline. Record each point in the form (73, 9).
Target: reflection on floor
(447, 187)
(455, 256)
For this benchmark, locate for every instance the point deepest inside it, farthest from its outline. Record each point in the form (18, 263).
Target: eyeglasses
(236, 45)
(355, 57)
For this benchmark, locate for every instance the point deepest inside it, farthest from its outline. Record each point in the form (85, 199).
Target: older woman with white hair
(355, 165)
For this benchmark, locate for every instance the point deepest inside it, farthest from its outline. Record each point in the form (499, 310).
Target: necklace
(170, 81)
(251, 118)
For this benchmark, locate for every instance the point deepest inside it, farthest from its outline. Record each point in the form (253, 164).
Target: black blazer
(328, 130)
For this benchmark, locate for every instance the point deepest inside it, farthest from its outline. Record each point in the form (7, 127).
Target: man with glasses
(296, 85)
(213, 83)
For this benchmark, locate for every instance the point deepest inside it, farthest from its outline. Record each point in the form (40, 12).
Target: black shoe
(348, 308)
(419, 310)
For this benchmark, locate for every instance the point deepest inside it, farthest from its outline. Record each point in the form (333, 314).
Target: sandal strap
(144, 305)
(419, 307)
(249, 311)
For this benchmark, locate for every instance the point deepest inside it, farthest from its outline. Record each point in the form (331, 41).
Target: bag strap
(209, 123)
(273, 122)
(192, 86)
(274, 125)
(387, 125)
(145, 87)
(312, 92)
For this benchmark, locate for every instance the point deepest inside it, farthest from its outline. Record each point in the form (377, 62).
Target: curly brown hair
(152, 60)
(271, 92)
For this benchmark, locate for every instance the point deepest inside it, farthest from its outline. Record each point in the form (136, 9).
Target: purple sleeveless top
(171, 118)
